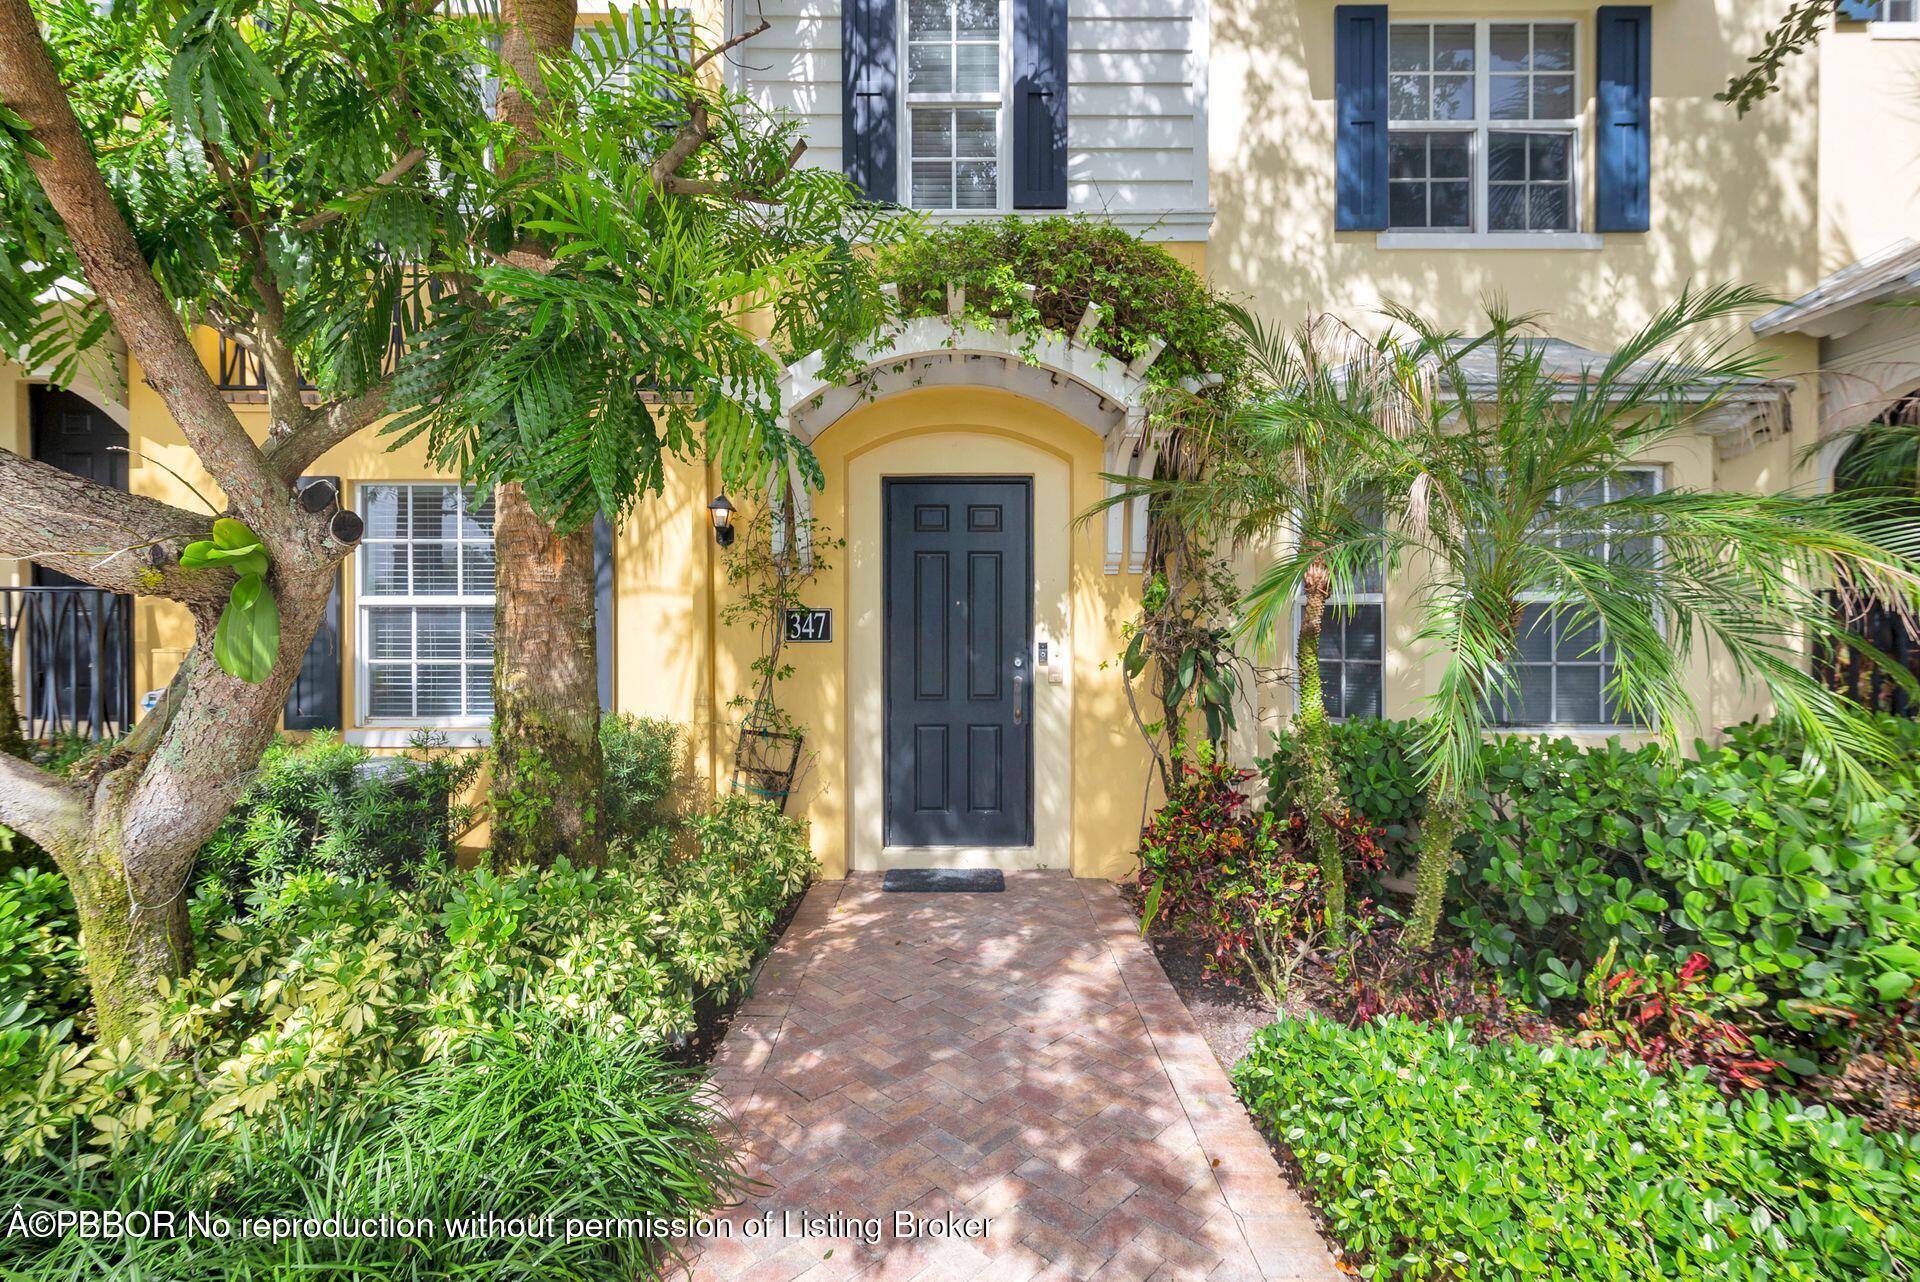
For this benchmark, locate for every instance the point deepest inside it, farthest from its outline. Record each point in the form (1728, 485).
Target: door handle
(1019, 692)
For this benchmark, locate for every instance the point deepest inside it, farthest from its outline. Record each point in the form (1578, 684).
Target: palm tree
(1292, 456)
(1525, 485)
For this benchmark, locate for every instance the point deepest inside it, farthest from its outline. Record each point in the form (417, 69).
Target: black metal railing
(239, 368)
(1857, 675)
(72, 654)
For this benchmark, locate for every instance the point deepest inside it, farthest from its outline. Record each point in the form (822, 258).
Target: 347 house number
(808, 624)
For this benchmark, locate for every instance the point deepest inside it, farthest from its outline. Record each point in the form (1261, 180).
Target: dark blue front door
(958, 618)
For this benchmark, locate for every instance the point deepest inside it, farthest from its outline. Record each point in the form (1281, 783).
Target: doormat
(974, 881)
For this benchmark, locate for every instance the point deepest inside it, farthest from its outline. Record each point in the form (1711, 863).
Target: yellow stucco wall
(1825, 172)
(1869, 143)
(1733, 199)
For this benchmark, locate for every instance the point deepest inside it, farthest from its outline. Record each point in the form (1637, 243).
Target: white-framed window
(1565, 661)
(957, 121)
(1483, 127)
(1352, 653)
(424, 585)
(1896, 20)
(1353, 643)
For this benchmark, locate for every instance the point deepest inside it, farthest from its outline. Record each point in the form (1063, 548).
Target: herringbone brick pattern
(1018, 1056)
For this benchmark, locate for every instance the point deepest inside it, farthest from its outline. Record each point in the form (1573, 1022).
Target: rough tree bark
(127, 832)
(11, 741)
(1319, 787)
(548, 768)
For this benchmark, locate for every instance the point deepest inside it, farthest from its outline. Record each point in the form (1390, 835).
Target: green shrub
(1245, 883)
(1375, 763)
(42, 971)
(330, 985)
(642, 757)
(1433, 1157)
(317, 804)
(1069, 262)
(1803, 901)
(554, 1120)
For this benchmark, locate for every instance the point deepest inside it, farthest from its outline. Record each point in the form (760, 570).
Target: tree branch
(687, 140)
(760, 195)
(120, 275)
(725, 45)
(112, 539)
(391, 175)
(50, 810)
(291, 454)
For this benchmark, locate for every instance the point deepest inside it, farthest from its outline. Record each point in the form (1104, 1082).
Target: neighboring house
(1304, 155)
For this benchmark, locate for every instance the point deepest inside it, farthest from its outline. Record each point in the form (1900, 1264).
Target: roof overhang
(1844, 301)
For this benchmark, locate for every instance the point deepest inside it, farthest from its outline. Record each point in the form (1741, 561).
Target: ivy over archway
(1039, 274)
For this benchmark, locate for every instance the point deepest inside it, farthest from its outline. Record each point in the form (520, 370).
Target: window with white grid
(425, 570)
(954, 103)
(1565, 661)
(1899, 11)
(1353, 643)
(1483, 132)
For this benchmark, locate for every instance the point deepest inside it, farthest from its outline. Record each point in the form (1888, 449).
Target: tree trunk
(1446, 815)
(130, 946)
(12, 742)
(546, 690)
(548, 769)
(126, 835)
(1319, 783)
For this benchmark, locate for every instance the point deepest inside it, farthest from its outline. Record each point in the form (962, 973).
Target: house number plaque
(809, 624)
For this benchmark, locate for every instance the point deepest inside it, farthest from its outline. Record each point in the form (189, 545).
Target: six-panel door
(958, 617)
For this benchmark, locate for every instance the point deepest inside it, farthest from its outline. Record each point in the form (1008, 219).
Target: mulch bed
(712, 1015)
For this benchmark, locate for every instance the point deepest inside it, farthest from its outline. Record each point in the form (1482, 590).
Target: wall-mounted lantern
(721, 512)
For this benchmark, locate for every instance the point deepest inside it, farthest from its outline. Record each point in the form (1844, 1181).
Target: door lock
(1019, 690)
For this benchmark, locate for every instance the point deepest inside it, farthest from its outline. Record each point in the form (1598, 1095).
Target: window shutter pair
(1622, 119)
(870, 100)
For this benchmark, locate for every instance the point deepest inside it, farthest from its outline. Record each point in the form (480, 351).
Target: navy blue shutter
(603, 608)
(870, 98)
(1623, 142)
(314, 701)
(1859, 10)
(1360, 138)
(1039, 104)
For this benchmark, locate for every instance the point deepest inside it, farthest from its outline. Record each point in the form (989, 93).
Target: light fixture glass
(720, 511)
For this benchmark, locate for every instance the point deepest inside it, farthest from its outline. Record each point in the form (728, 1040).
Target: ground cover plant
(1800, 898)
(1433, 1155)
(450, 1042)
(321, 803)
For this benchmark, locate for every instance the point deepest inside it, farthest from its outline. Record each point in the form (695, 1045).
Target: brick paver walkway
(1016, 1057)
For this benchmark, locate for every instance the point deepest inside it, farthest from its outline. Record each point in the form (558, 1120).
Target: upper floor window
(954, 103)
(426, 606)
(1483, 127)
(1898, 11)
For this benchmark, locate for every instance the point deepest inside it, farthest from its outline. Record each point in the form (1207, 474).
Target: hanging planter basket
(767, 757)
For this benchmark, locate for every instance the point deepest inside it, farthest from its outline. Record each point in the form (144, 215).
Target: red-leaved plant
(1670, 1019)
(1243, 881)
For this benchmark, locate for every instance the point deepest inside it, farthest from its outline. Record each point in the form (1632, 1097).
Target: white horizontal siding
(1135, 110)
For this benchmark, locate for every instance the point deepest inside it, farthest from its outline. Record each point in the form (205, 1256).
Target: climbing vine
(1032, 276)
(767, 576)
(1038, 274)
